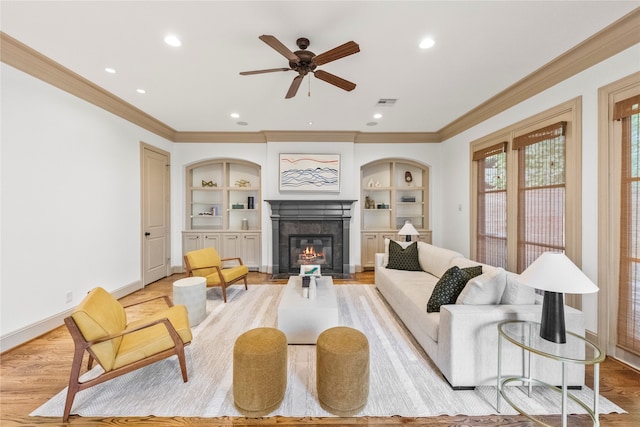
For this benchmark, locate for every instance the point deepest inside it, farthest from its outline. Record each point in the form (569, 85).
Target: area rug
(403, 379)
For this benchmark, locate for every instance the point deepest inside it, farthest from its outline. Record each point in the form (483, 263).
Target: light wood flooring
(35, 371)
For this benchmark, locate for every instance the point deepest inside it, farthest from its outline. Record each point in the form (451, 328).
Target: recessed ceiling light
(235, 115)
(427, 43)
(172, 40)
(141, 91)
(377, 116)
(110, 70)
(242, 123)
(372, 123)
(309, 123)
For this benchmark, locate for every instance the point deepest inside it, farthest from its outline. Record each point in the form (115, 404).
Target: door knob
(147, 233)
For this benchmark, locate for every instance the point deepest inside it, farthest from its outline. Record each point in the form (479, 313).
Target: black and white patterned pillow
(448, 288)
(403, 258)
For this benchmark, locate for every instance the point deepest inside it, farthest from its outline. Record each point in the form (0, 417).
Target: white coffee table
(303, 319)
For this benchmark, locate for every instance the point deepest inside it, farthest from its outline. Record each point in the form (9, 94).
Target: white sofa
(462, 339)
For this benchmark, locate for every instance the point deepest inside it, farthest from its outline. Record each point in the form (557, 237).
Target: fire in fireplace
(310, 249)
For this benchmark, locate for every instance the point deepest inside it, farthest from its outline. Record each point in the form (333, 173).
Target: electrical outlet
(69, 296)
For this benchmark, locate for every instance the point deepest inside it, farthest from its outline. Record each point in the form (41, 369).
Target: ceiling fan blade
(279, 47)
(349, 48)
(335, 80)
(293, 89)
(270, 70)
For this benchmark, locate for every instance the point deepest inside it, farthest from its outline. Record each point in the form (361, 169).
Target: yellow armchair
(208, 264)
(99, 326)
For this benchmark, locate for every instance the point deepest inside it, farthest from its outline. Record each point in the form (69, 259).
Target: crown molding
(238, 137)
(307, 136)
(397, 137)
(24, 58)
(613, 39)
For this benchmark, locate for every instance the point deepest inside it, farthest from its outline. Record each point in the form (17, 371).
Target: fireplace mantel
(295, 216)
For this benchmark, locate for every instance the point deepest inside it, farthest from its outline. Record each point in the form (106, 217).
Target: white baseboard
(41, 327)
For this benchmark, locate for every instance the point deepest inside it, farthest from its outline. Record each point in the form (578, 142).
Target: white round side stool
(192, 293)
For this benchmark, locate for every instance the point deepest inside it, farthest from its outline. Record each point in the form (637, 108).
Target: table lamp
(555, 274)
(408, 230)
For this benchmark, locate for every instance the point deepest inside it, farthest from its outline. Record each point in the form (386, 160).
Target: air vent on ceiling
(386, 102)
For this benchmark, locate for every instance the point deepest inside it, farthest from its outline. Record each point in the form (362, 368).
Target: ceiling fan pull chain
(309, 92)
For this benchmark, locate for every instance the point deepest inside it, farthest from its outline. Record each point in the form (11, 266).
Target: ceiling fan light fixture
(172, 40)
(304, 62)
(427, 43)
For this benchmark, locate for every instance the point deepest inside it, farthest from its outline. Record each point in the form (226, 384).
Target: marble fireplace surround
(295, 217)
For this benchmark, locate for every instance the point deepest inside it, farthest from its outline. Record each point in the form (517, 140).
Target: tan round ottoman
(342, 372)
(259, 371)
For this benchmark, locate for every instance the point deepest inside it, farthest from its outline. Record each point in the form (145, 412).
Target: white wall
(455, 156)
(70, 213)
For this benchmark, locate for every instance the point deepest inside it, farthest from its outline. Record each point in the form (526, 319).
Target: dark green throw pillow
(474, 271)
(448, 288)
(403, 258)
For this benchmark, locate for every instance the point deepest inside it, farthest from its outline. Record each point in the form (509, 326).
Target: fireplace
(311, 249)
(310, 232)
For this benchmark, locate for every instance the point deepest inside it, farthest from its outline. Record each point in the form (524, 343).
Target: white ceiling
(482, 47)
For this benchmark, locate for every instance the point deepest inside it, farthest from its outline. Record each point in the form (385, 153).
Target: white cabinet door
(210, 240)
(251, 250)
(231, 246)
(369, 249)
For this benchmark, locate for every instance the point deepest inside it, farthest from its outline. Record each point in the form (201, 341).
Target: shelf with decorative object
(223, 205)
(392, 191)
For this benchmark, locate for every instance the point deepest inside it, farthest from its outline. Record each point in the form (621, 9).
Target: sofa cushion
(435, 260)
(486, 288)
(516, 292)
(403, 258)
(447, 289)
(408, 293)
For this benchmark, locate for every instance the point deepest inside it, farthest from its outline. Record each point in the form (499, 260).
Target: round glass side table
(577, 350)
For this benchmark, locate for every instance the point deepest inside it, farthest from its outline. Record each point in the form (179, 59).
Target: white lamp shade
(408, 230)
(555, 272)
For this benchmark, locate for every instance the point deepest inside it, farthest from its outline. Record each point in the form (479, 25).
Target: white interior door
(155, 214)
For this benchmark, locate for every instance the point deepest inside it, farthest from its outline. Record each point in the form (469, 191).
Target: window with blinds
(491, 202)
(628, 325)
(525, 193)
(541, 193)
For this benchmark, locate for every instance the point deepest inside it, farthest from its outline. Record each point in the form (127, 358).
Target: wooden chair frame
(81, 345)
(223, 284)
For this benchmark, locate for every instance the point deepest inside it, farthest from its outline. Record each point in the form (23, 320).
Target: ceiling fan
(304, 62)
